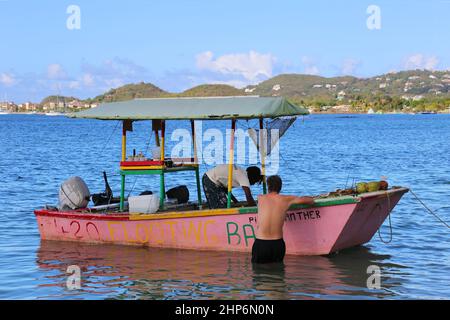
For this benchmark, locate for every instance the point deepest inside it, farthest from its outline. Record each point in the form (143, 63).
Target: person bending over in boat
(215, 184)
(269, 245)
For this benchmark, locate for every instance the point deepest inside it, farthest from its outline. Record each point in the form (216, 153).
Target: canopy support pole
(197, 172)
(124, 155)
(162, 190)
(230, 162)
(262, 153)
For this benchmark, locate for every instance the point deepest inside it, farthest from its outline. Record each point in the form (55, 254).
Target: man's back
(272, 209)
(269, 245)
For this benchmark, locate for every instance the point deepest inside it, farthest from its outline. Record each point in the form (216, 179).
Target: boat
(428, 112)
(53, 113)
(335, 222)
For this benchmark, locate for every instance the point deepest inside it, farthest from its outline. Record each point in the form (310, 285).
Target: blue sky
(180, 44)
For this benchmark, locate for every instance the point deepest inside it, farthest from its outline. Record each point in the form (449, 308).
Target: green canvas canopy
(194, 109)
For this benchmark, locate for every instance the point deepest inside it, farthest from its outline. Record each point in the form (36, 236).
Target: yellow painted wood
(124, 144)
(184, 214)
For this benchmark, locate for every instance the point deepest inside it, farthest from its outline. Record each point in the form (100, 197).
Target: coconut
(361, 187)
(373, 186)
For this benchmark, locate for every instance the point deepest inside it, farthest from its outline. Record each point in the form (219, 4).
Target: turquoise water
(320, 153)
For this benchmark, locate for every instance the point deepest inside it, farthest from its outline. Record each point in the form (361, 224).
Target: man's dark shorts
(216, 196)
(267, 251)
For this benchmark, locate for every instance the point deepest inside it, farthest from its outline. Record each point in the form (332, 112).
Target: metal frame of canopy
(162, 170)
(201, 108)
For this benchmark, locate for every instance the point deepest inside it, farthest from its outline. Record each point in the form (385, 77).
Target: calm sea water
(319, 154)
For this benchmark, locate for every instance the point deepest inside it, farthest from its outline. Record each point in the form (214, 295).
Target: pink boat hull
(317, 230)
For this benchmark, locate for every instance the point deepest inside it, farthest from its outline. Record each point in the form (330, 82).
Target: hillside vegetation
(417, 90)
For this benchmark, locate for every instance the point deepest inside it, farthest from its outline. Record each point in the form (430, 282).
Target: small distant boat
(53, 113)
(3, 113)
(427, 112)
(370, 111)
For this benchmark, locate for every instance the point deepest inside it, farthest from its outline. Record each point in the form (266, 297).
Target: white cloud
(55, 71)
(310, 66)
(251, 66)
(349, 66)
(74, 84)
(420, 61)
(115, 82)
(7, 79)
(88, 80)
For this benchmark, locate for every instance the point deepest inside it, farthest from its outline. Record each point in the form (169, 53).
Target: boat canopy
(245, 107)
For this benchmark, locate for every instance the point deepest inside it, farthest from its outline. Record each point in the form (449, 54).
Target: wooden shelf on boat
(156, 167)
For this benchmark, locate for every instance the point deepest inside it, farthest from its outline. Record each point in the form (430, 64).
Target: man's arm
(300, 200)
(248, 196)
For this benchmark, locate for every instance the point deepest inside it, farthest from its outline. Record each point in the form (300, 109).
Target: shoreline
(311, 113)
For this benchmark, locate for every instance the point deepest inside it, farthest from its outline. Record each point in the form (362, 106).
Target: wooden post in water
(262, 152)
(230, 164)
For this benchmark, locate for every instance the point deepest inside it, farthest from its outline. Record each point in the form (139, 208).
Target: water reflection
(121, 272)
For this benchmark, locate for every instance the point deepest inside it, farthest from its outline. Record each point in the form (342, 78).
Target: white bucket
(144, 204)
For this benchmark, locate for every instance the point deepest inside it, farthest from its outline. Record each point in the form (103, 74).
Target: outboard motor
(73, 194)
(180, 193)
(103, 198)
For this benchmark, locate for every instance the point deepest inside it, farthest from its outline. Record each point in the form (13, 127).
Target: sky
(83, 48)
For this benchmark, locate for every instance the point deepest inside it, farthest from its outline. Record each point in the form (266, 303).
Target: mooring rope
(429, 210)
(390, 222)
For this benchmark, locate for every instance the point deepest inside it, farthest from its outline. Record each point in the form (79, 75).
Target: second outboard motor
(103, 198)
(180, 193)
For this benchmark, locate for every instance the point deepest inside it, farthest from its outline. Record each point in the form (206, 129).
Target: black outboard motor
(180, 193)
(103, 198)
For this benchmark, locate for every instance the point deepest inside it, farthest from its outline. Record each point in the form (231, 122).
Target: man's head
(274, 184)
(254, 175)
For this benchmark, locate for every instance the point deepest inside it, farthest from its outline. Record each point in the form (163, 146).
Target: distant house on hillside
(276, 87)
(342, 108)
(340, 95)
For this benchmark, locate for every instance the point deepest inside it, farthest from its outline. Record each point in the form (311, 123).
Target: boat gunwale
(326, 202)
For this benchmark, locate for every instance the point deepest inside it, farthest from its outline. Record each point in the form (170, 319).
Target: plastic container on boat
(143, 204)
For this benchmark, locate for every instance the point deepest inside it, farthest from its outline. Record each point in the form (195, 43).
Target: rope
(109, 138)
(390, 222)
(429, 210)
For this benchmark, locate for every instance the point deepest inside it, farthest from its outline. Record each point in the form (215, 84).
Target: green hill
(57, 99)
(129, 92)
(212, 90)
(406, 84)
(406, 90)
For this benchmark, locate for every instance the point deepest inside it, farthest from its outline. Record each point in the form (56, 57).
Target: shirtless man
(269, 245)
